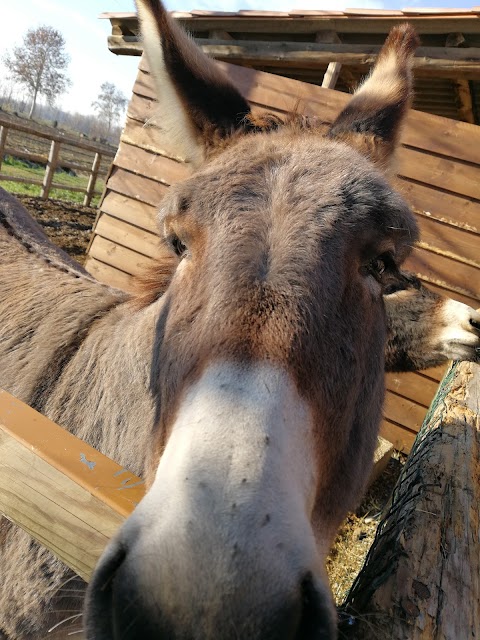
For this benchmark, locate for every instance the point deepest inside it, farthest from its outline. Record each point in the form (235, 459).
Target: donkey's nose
(118, 608)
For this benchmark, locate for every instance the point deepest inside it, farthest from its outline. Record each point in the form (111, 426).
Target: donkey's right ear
(199, 104)
(372, 120)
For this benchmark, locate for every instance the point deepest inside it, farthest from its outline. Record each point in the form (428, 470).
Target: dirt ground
(69, 225)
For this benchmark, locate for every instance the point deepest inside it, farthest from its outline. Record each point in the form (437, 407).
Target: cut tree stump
(421, 579)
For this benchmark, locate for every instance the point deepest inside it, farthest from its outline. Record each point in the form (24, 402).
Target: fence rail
(58, 143)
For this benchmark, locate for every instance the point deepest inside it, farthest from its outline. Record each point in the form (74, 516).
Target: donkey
(249, 394)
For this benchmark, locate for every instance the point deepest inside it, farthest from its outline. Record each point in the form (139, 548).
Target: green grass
(17, 168)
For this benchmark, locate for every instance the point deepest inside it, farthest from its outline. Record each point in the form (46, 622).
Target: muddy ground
(69, 226)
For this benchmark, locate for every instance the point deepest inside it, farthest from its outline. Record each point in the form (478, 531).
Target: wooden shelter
(437, 165)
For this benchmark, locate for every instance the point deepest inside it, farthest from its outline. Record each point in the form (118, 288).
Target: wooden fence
(90, 158)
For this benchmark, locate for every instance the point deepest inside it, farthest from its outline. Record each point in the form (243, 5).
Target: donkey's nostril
(317, 622)
(99, 598)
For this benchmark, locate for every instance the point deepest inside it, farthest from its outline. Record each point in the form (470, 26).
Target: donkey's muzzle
(118, 608)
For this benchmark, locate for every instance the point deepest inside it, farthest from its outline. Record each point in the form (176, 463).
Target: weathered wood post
(421, 579)
(50, 170)
(3, 140)
(92, 180)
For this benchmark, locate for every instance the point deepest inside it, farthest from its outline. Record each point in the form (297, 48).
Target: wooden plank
(136, 187)
(446, 272)
(381, 458)
(143, 108)
(414, 386)
(50, 169)
(440, 172)
(401, 437)
(151, 165)
(309, 54)
(449, 241)
(464, 97)
(451, 293)
(126, 260)
(64, 493)
(138, 213)
(109, 275)
(92, 180)
(443, 206)
(403, 411)
(130, 236)
(150, 138)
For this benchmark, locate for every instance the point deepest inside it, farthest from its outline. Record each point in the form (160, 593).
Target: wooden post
(50, 169)
(333, 70)
(331, 75)
(421, 577)
(3, 140)
(64, 493)
(92, 180)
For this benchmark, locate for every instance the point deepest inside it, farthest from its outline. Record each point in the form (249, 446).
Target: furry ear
(372, 120)
(199, 104)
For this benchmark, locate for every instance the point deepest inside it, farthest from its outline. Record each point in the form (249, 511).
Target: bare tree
(39, 64)
(110, 104)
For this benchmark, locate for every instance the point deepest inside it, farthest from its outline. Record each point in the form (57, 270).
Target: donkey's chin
(115, 610)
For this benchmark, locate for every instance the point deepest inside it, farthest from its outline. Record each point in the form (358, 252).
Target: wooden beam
(464, 97)
(420, 579)
(333, 70)
(438, 61)
(64, 493)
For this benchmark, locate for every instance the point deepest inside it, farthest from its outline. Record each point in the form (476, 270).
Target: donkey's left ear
(199, 105)
(372, 120)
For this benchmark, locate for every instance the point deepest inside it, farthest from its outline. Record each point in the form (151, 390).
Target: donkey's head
(269, 362)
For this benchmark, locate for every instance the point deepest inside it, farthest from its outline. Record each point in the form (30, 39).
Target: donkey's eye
(377, 267)
(380, 265)
(178, 246)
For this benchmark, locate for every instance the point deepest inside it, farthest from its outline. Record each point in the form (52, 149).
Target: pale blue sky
(86, 35)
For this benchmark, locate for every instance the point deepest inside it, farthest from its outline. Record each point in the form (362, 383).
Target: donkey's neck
(104, 393)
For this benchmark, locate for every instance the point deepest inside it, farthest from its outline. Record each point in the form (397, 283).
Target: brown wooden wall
(439, 174)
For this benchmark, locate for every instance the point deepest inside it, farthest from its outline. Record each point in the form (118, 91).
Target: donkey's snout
(119, 607)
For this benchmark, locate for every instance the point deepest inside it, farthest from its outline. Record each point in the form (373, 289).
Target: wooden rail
(67, 495)
(53, 161)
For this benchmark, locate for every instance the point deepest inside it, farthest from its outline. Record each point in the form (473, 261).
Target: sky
(91, 63)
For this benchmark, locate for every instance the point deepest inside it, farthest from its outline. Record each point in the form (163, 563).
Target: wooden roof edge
(352, 13)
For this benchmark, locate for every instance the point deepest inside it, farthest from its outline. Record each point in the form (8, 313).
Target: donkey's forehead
(303, 171)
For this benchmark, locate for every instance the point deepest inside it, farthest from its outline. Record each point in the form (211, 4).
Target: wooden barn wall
(438, 166)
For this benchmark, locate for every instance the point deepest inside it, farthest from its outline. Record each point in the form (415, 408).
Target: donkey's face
(269, 368)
